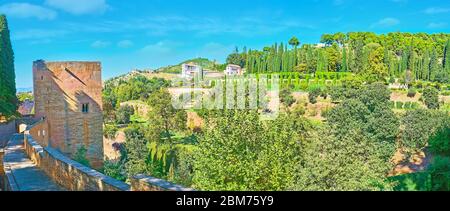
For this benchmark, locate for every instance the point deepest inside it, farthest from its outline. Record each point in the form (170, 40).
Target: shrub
(392, 80)
(325, 111)
(412, 92)
(287, 98)
(399, 105)
(80, 156)
(110, 131)
(298, 110)
(439, 178)
(391, 104)
(313, 94)
(431, 98)
(407, 105)
(115, 170)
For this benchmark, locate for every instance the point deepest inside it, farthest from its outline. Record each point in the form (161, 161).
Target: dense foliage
(240, 152)
(120, 90)
(404, 55)
(8, 99)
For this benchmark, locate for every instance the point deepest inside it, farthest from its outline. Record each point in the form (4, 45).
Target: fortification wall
(61, 90)
(66, 172)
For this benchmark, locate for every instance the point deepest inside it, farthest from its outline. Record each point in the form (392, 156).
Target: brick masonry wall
(68, 173)
(60, 89)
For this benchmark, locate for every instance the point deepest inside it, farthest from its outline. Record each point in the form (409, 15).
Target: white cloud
(100, 44)
(437, 25)
(161, 47)
(125, 44)
(79, 7)
(38, 34)
(386, 22)
(25, 10)
(436, 10)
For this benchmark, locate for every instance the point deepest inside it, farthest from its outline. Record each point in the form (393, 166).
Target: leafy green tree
(431, 98)
(136, 152)
(164, 119)
(419, 125)
(349, 163)
(440, 141)
(294, 42)
(377, 70)
(110, 131)
(124, 114)
(236, 58)
(24, 96)
(8, 99)
(327, 39)
(240, 152)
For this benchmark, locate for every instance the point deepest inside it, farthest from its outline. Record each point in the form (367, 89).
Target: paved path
(26, 175)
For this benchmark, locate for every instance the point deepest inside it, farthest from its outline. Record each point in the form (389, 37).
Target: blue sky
(130, 34)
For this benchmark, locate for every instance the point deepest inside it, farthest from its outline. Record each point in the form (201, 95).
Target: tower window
(85, 107)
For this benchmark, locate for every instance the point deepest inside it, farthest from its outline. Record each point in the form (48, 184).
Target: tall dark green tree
(8, 99)
(447, 57)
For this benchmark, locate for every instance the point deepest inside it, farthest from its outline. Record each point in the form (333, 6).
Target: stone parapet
(146, 183)
(68, 173)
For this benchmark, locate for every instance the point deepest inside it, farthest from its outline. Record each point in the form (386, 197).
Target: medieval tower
(68, 96)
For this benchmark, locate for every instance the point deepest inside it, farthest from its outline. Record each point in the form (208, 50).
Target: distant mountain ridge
(27, 89)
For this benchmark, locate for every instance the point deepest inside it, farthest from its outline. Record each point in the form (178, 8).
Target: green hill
(205, 63)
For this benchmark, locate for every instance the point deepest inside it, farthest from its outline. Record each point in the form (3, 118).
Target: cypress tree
(433, 66)
(344, 60)
(8, 99)
(447, 57)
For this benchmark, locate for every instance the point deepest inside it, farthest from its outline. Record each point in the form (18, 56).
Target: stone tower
(68, 95)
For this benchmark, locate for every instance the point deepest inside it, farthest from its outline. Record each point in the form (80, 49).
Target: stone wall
(66, 172)
(3, 180)
(6, 131)
(147, 183)
(61, 89)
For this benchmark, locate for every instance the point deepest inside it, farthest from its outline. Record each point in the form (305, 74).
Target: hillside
(205, 63)
(170, 71)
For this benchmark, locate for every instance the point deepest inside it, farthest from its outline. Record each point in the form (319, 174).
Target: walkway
(25, 174)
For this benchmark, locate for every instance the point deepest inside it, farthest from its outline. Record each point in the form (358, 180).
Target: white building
(233, 70)
(190, 70)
